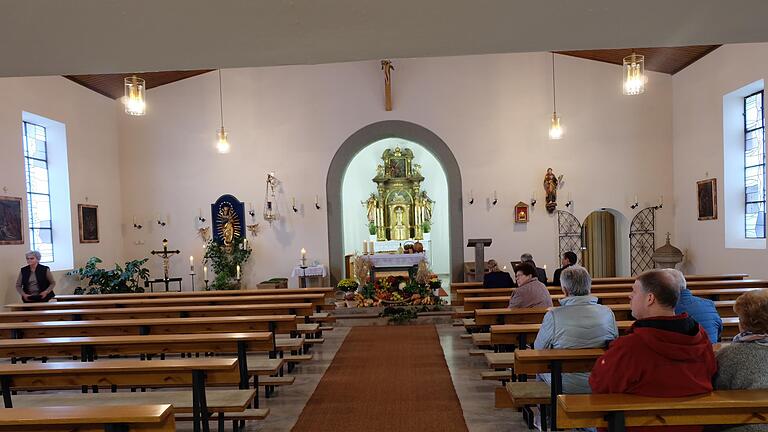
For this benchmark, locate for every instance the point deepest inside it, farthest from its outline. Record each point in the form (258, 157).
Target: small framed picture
(706, 193)
(521, 212)
(10, 221)
(88, 221)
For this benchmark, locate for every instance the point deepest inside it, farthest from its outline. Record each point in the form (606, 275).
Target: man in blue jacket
(700, 309)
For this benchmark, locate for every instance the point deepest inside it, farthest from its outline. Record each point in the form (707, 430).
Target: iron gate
(642, 240)
(569, 233)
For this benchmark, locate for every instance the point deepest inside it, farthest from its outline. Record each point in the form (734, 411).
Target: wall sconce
(471, 198)
(495, 199)
(270, 211)
(317, 202)
(660, 205)
(569, 203)
(533, 202)
(293, 205)
(201, 219)
(135, 225)
(635, 204)
(161, 222)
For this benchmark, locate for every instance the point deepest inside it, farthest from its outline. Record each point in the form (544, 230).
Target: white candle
(365, 247)
(205, 272)
(545, 267)
(191, 263)
(238, 272)
(635, 199)
(303, 253)
(371, 248)
(245, 243)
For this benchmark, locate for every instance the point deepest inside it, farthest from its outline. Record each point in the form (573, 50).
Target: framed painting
(88, 222)
(10, 221)
(521, 212)
(706, 193)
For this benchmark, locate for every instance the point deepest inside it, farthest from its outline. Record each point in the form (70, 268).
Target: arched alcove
(618, 237)
(358, 141)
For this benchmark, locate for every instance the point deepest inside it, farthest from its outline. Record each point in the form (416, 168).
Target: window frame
(28, 184)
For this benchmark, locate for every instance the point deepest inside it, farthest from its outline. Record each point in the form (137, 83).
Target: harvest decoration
(397, 290)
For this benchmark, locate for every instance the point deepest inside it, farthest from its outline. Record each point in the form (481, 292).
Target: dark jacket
(41, 273)
(499, 279)
(556, 277)
(661, 357)
(703, 311)
(541, 274)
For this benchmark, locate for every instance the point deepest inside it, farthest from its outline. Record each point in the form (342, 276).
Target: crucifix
(166, 254)
(386, 66)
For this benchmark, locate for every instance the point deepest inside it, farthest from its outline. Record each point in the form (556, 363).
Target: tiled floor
(476, 396)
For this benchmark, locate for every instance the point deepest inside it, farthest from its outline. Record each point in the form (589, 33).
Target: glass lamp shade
(135, 96)
(555, 130)
(222, 144)
(634, 74)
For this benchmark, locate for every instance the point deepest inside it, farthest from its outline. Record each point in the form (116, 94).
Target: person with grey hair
(541, 274)
(579, 322)
(700, 309)
(35, 282)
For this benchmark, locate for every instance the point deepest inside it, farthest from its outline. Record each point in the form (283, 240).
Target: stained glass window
(38, 191)
(754, 166)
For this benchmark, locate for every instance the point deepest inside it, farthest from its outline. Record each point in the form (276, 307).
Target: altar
(385, 264)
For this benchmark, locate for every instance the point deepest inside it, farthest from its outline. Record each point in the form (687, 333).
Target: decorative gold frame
(521, 212)
(706, 197)
(81, 218)
(4, 223)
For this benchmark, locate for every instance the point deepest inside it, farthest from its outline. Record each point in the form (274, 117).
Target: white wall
(492, 110)
(91, 126)
(358, 186)
(698, 154)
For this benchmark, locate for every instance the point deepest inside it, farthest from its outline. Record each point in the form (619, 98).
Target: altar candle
(303, 253)
(238, 272)
(545, 267)
(371, 248)
(365, 247)
(205, 272)
(245, 243)
(192, 263)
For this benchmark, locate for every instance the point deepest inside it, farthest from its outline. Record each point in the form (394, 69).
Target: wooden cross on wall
(386, 66)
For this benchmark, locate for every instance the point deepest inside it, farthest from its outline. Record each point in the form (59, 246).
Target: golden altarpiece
(400, 209)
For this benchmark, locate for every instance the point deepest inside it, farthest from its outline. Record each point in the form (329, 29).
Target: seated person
(579, 322)
(541, 274)
(496, 278)
(569, 259)
(530, 292)
(663, 354)
(700, 309)
(35, 282)
(742, 363)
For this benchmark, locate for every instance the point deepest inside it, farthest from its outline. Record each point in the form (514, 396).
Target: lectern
(479, 245)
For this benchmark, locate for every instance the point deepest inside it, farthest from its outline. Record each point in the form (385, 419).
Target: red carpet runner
(391, 378)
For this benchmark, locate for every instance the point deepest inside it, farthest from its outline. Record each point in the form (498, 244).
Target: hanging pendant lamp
(633, 73)
(555, 130)
(135, 96)
(222, 143)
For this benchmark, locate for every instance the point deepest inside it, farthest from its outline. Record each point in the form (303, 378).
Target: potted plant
(225, 263)
(426, 227)
(118, 280)
(372, 230)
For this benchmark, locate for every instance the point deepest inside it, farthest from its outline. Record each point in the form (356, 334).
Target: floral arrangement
(224, 262)
(347, 285)
(400, 290)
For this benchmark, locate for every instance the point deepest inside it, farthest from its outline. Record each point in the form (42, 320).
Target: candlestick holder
(192, 277)
(303, 262)
(303, 277)
(206, 284)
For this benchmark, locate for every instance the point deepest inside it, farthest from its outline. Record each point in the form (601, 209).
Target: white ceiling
(58, 37)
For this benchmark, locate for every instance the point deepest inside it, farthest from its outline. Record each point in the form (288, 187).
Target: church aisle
(389, 378)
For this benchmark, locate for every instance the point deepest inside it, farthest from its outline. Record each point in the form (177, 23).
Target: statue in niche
(399, 231)
(550, 188)
(427, 203)
(227, 218)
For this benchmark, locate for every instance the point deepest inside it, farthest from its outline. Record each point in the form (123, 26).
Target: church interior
(272, 216)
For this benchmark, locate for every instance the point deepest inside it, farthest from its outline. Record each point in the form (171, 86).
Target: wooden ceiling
(111, 85)
(665, 60)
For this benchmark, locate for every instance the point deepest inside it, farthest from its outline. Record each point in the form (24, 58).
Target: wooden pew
(487, 317)
(617, 411)
(284, 324)
(316, 300)
(689, 278)
(194, 373)
(523, 334)
(301, 309)
(144, 418)
(328, 291)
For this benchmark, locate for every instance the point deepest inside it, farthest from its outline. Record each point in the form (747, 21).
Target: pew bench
(524, 396)
(144, 418)
(618, 411)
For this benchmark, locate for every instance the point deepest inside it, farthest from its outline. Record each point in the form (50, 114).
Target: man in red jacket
(663, 354)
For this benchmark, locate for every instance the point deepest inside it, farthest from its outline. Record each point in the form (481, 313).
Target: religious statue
(550, 188)
(371, 205)
(386, 66)
(426, 203)
(226, 216)
(399, 231)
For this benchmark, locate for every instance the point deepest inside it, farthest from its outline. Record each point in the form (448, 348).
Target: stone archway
(375, 132)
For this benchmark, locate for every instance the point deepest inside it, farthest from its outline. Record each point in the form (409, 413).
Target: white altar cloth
(395, 260)
(317, 270)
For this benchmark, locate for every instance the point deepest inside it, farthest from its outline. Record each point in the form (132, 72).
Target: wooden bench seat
(248, 414)
(277, 381)
(297, 358)
(528, 393)
(136, 417)
(617, 411)
(504, 375)
(481, 339)
(479, 352)
(265, 366)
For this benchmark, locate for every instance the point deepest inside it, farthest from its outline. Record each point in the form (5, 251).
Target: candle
(245, 243)
(635, 199)
(371, 248)
(303, 253)
(238, 272)
(192, 263)
(545, 267)
(365, 247)
(205, 272)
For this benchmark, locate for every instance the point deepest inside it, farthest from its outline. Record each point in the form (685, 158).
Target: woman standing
(35, 282)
